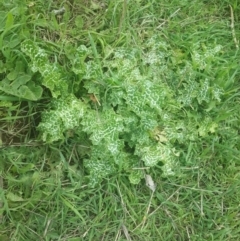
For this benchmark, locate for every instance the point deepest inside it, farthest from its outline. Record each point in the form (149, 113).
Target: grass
(44, 192)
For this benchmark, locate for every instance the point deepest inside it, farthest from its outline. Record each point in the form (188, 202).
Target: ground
(46, 190)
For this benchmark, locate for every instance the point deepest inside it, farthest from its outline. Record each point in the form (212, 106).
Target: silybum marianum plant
(145, 104)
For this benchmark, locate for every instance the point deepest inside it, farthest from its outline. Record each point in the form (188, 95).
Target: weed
(95, 96)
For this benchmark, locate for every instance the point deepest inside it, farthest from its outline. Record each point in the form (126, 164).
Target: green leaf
(79, 22)
(14, 197)
(9, 21)
(21, 86)
(78, 60)
(12, 75)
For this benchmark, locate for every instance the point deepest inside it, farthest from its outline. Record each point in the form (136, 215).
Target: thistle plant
(147, 103)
